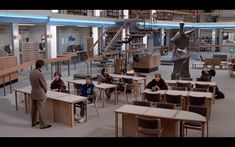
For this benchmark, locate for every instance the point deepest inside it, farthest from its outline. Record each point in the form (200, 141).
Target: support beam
(16, 42)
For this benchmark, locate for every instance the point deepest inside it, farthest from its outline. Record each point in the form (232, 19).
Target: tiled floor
(17, 123)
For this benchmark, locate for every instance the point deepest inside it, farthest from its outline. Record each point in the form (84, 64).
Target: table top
(161, 113)
(71, 98)
(201, 94)
(155, 92)
(128, 77)
(132, 109)
(26, 90)
(101, 85)
(55, 94)
(192, 82)
(177, 92)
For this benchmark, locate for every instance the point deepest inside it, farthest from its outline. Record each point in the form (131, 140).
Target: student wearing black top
(58, 83)
(158, 83)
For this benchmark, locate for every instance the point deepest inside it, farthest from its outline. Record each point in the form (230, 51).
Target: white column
(95, 38)
(162, 36)
(126, 14)
(51, 41)
(145, 41)
(16, 42)
(213, 39)
(96, 12)
(123, 36)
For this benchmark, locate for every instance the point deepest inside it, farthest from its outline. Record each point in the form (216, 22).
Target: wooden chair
(165, 105)
(148, 127)
(202, 110)
(217, 62)
(187, 85)
(141, 103)
(179, 88)
(186, 78)
(206, 86)
(201, 89)
(196, 101)
(129, 87)
(77, 88)
(174, 99)
(93, 104)
(152, 98)
(208, 62)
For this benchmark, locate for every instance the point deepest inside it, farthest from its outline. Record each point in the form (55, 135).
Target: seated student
(58, 83)
(207, 75)
(106, 78)
(158, 83)
(87, 91)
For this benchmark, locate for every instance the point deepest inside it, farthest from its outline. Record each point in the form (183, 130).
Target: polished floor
(17, 124)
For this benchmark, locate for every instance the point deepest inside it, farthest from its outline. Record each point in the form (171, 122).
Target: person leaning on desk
(157, 83)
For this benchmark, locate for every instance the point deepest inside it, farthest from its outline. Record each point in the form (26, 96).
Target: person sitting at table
(87, 91)
(158, 83)
(58, 83)
(106, 78)
(206, 76)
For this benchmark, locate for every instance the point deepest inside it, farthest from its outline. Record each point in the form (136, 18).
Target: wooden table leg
(71, 115)
(214, 88)
(16, 100)
(203, 129)
(86, 109)
(145, 83)
(4, 88)
(116, 96)
(68, 86)
(116, 124)
(26, 103)
(181, 129)
(103, 98)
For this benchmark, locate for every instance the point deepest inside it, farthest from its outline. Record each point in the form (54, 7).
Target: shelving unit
(77, 12)
(112, 13)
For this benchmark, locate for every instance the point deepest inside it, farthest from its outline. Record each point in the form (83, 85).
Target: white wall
(5, 35)
(63, 34)
(33, 32)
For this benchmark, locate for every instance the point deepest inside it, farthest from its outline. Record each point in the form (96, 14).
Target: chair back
(64, 91)
(201, 89)
(166, 105)
(202, 110)
(207, 86)
(197, 101)
(141, 103)
(186, 78)
(188, 85)
(152, 97)
(179, 88)
(175, 99)
(147, 123)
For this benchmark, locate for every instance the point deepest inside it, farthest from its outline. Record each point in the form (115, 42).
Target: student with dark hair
(106, 78)
(158, 83)
(38, 95)
(58, 83)
(87, 91)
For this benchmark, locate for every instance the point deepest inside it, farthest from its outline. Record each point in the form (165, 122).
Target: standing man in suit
(38, 94)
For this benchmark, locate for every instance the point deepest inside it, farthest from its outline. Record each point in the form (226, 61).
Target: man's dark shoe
(35, 124)
(48, 126)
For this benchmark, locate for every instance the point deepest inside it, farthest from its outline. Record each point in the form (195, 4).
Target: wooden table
(170, 119)
(59, 107)
(129, 77)
(212, 84)
(184, 94)
(101, 86)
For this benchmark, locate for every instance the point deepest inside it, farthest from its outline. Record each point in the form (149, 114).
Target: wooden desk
(101, 86)
(212, 84)
(185, 94)
(169, 119)
(59, 107)
(129, 77)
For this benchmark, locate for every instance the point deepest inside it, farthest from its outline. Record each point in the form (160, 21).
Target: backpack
(219, 95)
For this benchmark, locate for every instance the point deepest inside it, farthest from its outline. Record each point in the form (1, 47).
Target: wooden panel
(147, 62)
(48, 110)
(30, 51)
(8, 62)
(62, 112)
